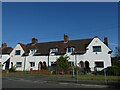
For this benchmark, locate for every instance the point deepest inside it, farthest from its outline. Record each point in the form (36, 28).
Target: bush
(113, 70)
(12, 69)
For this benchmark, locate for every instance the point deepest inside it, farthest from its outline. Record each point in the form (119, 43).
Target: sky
(50, 21)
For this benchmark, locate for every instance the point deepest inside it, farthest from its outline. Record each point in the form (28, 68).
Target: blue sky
(50, 21)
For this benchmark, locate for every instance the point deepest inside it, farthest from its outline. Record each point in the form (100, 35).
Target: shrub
(113, 70)
(12, 69)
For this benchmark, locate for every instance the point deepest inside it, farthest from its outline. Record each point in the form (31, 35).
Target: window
(32, 64)
(18, 64)
(53, 50)
(32, 51)
(71, 63)
(53, 63)
(70, 49)
(17, 52)
(96, 48)
(99, 64)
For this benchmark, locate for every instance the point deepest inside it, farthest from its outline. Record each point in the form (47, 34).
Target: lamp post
(24, 63)
(73, 71)
(76, 66)
(48, 60)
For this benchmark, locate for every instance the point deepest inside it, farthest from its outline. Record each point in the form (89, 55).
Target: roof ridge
(63, 40)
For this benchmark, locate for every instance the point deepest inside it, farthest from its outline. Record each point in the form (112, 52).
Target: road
(39, 82)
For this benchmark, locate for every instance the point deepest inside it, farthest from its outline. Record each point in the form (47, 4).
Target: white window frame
(99, 62)
(53, 51)
(19, 52)
(97, 50)
(32, 64)
(18, 65)
(71, 49)
(32, 51)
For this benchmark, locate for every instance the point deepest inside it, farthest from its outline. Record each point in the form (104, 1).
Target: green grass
(80, 77)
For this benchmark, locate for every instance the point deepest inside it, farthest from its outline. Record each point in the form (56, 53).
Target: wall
(99, 56)
(17, 58)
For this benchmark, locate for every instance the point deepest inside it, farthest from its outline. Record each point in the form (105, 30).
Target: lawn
(56, 76)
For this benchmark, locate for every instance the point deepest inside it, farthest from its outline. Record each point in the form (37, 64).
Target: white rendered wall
(17, 58)
(99, 56)
(4, 58)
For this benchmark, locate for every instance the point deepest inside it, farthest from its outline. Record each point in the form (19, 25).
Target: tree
(116, 58)
(117, 51)
(62, 63)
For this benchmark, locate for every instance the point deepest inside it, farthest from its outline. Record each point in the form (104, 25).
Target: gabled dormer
(70, 49)
(53, 51)
(98, 46)
(32, 51)
(18, 50)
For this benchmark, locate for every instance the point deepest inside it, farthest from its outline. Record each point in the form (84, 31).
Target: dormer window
(53, 50)
(17, 52)
(32, 51)
(70, 49)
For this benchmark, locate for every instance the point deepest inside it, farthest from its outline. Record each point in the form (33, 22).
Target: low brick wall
(40, 72)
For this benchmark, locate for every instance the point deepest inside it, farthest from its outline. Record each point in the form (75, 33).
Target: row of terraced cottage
(90, 52)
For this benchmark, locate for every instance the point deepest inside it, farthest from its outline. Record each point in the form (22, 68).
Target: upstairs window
(53, 50)
(97, 49)
(70, 49)
(17, 52)
(32, 51)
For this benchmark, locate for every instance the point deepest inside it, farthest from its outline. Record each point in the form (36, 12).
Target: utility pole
(73, 71)
(24, 63)
(48, 60)
(76, 66)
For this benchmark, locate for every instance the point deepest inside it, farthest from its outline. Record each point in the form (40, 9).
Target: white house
(5, 56)
(84, 53)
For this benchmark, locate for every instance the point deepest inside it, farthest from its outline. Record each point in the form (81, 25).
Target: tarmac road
(40, 82)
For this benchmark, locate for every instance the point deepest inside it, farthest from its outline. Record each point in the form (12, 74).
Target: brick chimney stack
(4, 45)
(34, 41)
(66, 38)
(106, 41)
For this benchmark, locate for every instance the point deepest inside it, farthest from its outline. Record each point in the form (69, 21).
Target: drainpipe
(24, 63)
(48, 60)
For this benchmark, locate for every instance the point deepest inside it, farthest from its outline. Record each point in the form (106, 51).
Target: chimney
(66, 38)
(106, 41)
(34, 41)
(4, 45)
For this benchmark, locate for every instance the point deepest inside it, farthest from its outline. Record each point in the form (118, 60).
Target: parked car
(61, 72)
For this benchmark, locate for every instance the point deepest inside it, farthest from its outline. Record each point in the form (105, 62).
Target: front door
(7, 64)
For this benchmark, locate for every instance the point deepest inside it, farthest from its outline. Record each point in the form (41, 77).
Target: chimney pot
(4, 45)
(66, 38)
(34, 41)
(106, 41)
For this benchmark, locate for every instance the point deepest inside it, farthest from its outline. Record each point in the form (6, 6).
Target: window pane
(53, 50)
(17, 52)
(18, 64)
(99, 64)
(32, 64)
(96, 48)
(70, 49)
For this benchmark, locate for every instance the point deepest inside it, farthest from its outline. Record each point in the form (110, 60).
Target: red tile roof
(44, 48)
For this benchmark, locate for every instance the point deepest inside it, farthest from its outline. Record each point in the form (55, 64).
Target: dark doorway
(44, 65)
(7, 64)
(87, 68)
(81, 64)
(40, 65)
